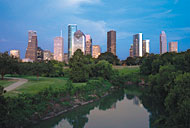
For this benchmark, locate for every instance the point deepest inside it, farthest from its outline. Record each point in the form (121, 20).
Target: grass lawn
(7, 82)
(34, 85)
(128, 70)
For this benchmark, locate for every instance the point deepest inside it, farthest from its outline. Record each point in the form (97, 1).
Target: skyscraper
(47, 55)
(173, 47)
(40, 53)
(15, 53)
(31, 51)
(88, 45)
(146, 46)
(131, 51)
(111, 42)
(163, 43)
(58, 49)
(96, 51)
(137, 45)
(72, 28)
(79, 42)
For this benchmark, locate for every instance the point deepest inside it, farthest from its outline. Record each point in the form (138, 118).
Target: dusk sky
(94, 17)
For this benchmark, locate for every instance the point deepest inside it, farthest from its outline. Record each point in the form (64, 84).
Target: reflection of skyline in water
(137, 101)
(115, 110)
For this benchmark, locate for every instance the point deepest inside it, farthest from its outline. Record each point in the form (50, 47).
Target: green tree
(7, 64)
(110, 57)
(79, 67)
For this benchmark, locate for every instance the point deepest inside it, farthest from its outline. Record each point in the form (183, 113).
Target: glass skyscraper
(163, 43)
(79, 42)
(72, 28)
(137, 45)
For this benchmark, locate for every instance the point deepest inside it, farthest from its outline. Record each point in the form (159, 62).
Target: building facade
(163, 43)
(96, 51)
(15, 53)
(66, 59)
(111, 42)
(47, 55)
(173, 47)
(79, 42)
(31, 51)
(146, 47)
(40, 55)
(58, 49)
(88, 45)
(72, 28)
(137, 45)
(131, 51)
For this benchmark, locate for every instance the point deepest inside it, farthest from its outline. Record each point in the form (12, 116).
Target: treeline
(168, 77)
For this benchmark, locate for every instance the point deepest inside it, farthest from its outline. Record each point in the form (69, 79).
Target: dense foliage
(169, 83)
(110, 57)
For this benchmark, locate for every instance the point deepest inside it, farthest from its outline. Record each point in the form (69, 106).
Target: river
(118, 110)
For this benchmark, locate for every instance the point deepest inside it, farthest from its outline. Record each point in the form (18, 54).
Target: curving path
(16, 85)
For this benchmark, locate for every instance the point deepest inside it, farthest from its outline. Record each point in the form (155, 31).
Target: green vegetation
(6, 82)
(169, 86)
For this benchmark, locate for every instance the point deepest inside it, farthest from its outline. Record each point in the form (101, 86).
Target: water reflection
(116, 110)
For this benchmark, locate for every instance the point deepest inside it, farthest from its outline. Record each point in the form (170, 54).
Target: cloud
(72, 6)
(2, 40)
(124, 35)
(97, 29)
(176, 1)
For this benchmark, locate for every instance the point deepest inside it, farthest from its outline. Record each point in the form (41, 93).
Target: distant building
(163, 43)
(137, 45)
(47, 55)
(111, 42)
(58, 49)
(66, 59)
(88, 45)
(15, 53)
(173, 47)
(40, 55)
(26, 60)
(146, 47)
(131, 51)
(79, 42)
(31, 51)
(96, 51)
(72, 28)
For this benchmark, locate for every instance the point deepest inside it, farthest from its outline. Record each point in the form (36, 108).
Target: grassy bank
(6, 82)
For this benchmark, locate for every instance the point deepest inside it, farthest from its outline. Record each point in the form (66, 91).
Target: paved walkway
(16, 85)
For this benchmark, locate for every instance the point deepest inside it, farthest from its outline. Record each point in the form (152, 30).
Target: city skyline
(128, 19)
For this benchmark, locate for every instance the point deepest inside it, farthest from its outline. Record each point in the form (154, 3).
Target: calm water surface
(118, 110)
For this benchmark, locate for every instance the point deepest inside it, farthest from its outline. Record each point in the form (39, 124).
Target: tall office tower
(66, 60)
(15, 53)
(72, 28)
(146, 46)
(96, 51)
(137, 45)
(58, 49)
(173, 47)
(47, 55)
(131, 51)
(111, 42)
(88, 45)
(31, 51)
(79, 42)
(40, 55)
(163, 43)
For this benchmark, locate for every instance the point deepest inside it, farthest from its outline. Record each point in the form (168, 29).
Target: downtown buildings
(137, 45)
(88, 45)
(58, 49)
(79, 42)
(173, 47)
(146, 47)
(111, 42)
(31, 51)
(15, 53)
(72, 28)
(163, 43)
(96, 51)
